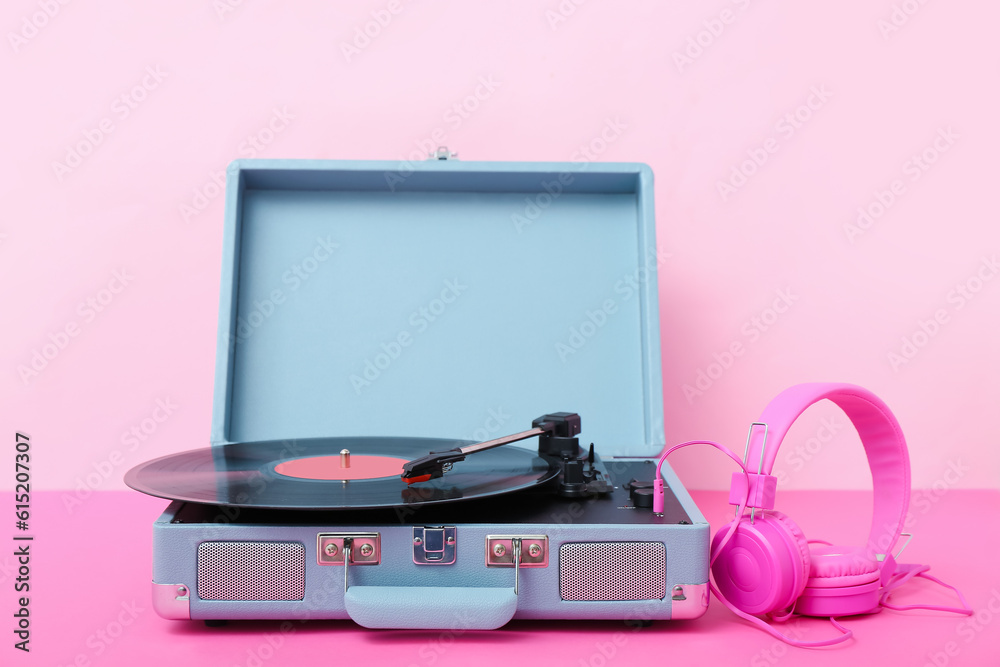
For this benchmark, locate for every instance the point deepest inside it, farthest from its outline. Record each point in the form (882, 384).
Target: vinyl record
(310, 475)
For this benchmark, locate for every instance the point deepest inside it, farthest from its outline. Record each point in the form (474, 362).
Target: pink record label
(330, 468)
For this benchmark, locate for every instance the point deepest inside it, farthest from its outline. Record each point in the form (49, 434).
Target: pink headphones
(768, 566)
(762, 563)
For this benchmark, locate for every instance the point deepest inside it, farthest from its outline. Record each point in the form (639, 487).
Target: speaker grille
(610, 571)
(251, 571)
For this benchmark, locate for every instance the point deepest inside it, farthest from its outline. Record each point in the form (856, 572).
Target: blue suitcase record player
(399, 347)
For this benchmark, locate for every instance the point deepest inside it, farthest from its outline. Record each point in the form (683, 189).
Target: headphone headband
(880, 434)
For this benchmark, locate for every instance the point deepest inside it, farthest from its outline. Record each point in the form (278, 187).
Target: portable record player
(383, 328)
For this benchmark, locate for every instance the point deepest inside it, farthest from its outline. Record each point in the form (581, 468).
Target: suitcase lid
(445, 299)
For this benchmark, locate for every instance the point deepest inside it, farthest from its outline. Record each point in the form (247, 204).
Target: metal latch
(365, 548)
(434, 545)
(442, 153)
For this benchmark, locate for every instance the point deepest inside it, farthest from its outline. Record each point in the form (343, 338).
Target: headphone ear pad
(835, 567)
(764, 567)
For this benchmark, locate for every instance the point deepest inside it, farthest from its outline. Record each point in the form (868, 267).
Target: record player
(399, 346)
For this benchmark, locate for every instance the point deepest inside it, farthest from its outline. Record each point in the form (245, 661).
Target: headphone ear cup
(764, 567)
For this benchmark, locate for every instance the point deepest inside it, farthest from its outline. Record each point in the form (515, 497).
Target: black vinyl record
(247, 474)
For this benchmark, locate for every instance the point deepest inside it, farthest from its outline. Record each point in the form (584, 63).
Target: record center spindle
(345, 458)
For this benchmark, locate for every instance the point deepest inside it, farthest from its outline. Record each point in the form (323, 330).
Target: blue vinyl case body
(445, 299)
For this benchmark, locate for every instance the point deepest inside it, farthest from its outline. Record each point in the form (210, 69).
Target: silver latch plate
(500, 550)
(435, 545)
(365, 548)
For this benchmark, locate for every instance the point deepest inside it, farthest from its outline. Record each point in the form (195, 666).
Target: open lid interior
(454, 300)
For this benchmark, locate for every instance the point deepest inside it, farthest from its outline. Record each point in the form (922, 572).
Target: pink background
(201, 80)
(553, 87)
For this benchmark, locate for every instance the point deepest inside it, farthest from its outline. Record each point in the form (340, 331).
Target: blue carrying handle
(427, 608)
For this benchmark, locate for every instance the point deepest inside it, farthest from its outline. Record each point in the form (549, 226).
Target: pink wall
(161, 99)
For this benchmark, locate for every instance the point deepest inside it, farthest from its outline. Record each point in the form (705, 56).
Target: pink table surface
(90, 602)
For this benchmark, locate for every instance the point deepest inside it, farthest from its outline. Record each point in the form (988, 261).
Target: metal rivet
(330, 549)
(417, 541)
(534, 550)
(367, 550)
(450, 540)
(182, 591)
(499, 550)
